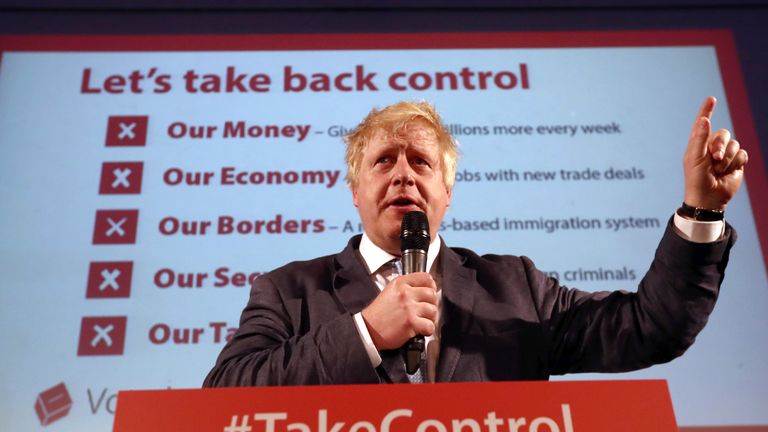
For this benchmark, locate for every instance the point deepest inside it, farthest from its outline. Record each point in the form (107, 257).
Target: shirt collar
(375, 257)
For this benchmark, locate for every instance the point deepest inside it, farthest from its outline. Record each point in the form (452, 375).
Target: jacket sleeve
(276, 345)
(620, 331)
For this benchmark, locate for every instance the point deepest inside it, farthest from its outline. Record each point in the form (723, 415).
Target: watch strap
(700, 214)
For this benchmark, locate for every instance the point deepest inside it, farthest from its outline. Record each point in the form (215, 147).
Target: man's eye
(383, 160)
(420, 161)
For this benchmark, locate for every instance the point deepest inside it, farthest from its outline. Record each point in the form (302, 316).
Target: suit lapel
(458, 285)
(351, 282)
(355, 290)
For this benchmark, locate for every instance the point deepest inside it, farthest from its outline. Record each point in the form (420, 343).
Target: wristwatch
(701, 214)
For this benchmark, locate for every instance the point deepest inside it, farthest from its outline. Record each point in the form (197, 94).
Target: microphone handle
(414, 260)
(412, 353)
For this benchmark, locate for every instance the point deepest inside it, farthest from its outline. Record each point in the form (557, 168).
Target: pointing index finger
(697, 143)
(707, 107)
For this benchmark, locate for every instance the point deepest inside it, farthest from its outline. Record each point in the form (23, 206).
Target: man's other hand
(713, 163)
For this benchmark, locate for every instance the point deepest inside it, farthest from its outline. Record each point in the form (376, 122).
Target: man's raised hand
(713, 163)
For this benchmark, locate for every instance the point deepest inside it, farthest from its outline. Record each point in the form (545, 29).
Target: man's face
(399, 174)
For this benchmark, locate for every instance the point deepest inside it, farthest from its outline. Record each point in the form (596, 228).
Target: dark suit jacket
(502, 319)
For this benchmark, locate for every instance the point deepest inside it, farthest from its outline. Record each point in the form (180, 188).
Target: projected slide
(147, 181)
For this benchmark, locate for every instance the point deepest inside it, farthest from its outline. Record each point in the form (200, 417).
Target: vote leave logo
(109, 279)
(115, 226)
(53, 404)
(121, 178)
(102, 336)
(127, 131)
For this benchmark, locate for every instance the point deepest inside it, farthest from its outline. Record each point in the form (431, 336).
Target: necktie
(418, 376)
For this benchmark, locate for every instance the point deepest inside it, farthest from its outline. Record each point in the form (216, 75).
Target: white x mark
(116, 227)
(109, 280)
(102, 333)
(121, 177)
(126, 130)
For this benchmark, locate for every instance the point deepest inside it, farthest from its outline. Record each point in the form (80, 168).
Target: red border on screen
(721, 39)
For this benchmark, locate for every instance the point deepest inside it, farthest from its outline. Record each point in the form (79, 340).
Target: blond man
(341, 319)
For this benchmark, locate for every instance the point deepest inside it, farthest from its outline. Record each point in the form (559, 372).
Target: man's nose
(403, 173)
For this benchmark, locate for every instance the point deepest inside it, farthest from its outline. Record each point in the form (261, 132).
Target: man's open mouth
(403, 202)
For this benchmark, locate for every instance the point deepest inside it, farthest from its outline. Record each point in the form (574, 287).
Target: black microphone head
(414, 232)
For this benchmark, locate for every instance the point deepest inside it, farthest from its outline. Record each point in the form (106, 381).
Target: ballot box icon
(127, 131)
(101, 336)
(121, 178)
(53, 404)
(109, 279)
(115, 226)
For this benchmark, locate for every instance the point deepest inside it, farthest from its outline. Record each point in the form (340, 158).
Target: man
(341, 319)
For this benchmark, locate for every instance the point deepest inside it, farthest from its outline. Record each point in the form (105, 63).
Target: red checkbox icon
(53, 404)
(121, 178)
(102, 336)
(109, 279)
(115, 226)
(127, 131)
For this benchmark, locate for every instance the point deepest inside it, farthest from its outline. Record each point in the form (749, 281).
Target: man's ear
(354, 195)
(449, 190)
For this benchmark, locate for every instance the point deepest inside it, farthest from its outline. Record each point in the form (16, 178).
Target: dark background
(748, 19)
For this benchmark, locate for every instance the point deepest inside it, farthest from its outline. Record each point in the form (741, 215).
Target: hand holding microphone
(407, 306)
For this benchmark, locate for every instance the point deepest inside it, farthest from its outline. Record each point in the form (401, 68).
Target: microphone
(414, 243)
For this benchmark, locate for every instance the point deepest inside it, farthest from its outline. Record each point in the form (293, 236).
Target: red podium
(575, 406)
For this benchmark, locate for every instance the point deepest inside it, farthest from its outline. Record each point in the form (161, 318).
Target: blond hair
(393, 120)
